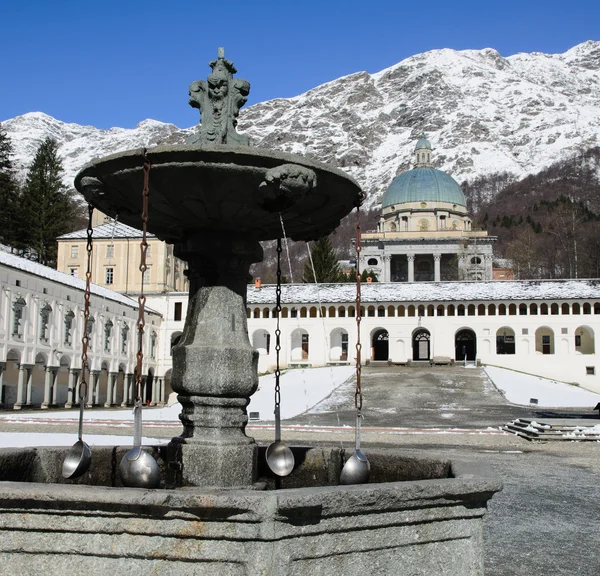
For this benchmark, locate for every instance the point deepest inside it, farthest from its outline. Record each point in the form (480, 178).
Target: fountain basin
(221, 188)
(417, 516)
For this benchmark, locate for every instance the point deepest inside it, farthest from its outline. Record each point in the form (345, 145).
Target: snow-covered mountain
(483, 114)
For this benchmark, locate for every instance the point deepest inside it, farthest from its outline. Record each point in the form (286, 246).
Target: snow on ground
(301, 389)
(25, 439)
(519, 388)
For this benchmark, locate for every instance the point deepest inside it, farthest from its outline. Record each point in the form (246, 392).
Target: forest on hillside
(547, 224)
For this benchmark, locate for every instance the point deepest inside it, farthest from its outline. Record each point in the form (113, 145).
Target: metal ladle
(79, 457)
(357, 468)
(280, 458)
(139, 469)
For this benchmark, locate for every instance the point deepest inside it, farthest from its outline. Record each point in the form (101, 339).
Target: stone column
(73, 379)
(153, 399)
(126, 384)
(29, 384)
(411, 267)
(131, 386)
(161, 394)
(215, 366)
(386, 268)
(2, 367)
(20, 387)
(47, 388)
(95, 386)
(111, 389)
(436, 267)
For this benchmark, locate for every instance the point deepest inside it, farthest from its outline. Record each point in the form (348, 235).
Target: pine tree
(47, 208)
(9, 192)
(326, 264)
(368, 274)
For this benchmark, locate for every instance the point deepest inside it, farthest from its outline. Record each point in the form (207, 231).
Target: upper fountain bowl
(221, 188)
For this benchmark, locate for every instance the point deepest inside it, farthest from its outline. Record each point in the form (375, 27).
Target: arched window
(584, 340)
(421, 310)
(512, 309)
(341, 312)
(544, 340)
(505, 341)
(502, 310)
(554, 309)
(565, 309)
(440, 310)
(256, 313)
(522, 309)
(451, 310)
(351, 311)
(266, 313)
(331, 312)
(587, 309)
(544, 309)
(481, 310)
(471, 310)
(411, 310)
(492, 310)
(248, 313)
(533, 309)
(371, 311)
(401, 311)
(303, 312)
(460, 311)
(313, 312)
(597, 308)
(391, 311)
(372, 262)
(284, 312)
(576, 308)
(476, 260)
(430, 310)
(380, 312)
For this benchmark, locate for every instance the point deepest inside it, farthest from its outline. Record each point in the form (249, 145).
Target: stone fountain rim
(204, 148)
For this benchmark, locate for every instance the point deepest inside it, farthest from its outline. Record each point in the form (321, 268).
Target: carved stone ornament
(286, 185)
(219, 99)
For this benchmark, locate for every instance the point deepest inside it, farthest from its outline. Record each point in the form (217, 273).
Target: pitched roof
(18, 263)
(418, 292)
(107, 231)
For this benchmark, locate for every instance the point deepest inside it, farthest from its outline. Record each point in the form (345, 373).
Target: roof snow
(35, 269)
(430, 291)
(109, 230)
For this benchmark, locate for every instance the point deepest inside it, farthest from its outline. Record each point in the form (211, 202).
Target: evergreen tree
(9, 192)
(368, 274)
(48, 209)
(326, 264)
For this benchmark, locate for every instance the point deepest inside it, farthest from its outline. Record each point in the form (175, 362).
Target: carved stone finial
(219, 99)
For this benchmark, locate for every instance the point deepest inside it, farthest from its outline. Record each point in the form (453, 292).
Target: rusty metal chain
(143, 267)
(358, 397)
(277, 330)
(83, 385)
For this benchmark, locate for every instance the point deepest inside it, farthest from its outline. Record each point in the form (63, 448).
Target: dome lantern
(423, 152)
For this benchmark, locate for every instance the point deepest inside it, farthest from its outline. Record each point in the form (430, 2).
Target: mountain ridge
(483, 113)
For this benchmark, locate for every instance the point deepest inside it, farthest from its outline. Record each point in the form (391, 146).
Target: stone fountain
(219, 510)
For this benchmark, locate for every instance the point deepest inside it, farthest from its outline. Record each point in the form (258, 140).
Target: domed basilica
(424, 233)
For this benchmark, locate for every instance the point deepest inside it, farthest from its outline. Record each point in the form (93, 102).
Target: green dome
(423, 185)
(423, 143)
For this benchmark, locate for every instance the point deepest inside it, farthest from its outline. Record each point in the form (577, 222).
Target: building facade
(41, 330)
(116, 259)
(425, 232)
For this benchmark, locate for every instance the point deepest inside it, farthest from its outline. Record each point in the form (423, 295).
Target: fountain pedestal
(214, 365)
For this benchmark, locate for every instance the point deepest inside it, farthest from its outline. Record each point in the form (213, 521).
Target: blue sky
(116, 62)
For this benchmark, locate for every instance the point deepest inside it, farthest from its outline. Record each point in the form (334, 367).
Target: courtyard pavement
(546, 521)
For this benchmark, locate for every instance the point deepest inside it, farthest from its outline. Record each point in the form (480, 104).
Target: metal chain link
(277, 330)
(143, 267)
(83, 385)
(358, 397)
